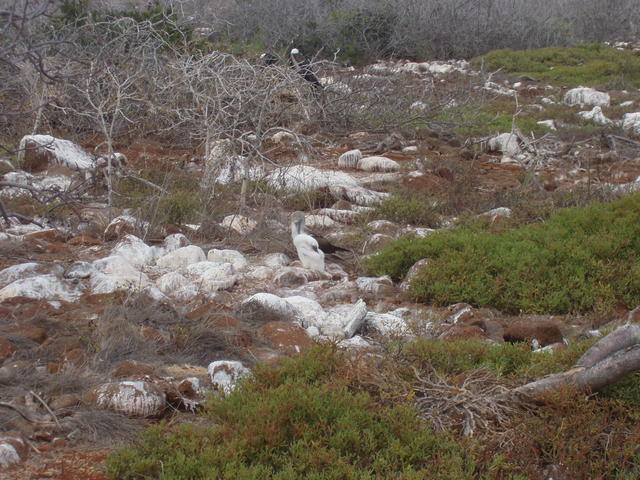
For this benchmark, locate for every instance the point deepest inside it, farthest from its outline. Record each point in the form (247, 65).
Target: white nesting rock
(350, 159)
(233, 257)
(225, 374)
(258, 273)
(132, 398)
(182, 257)
(506, 143)
(134, 250)
(374, 285)
(16, 272)
(40, 287)
(359, 195)
(62, 152)
(631, 121)
(596, 116)
(312, 312)
(211, 276)
(239, 223)
(115, 273)
(586, 96)
(378, 164)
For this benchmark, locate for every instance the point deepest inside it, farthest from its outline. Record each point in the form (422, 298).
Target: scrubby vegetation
(579, 260)
(323, 416)
(590, 64)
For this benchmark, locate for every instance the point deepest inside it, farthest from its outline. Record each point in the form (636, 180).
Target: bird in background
(303, 67)
(309, 252)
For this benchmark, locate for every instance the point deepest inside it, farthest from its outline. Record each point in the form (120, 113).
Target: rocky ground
(109, 322)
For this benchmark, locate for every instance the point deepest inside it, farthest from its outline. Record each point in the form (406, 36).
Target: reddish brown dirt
(56, 464)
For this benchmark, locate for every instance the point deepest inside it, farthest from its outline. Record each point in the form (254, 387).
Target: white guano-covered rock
(16, 272)
(54, 150)
(343, 321)
(586, 96)
(312, 312)
(275, 260)
(350, 159)
(262, 308)
(211, 276)
(387, 324)
(239, 223)
(134, 250)
(596, 116)
(115, 273)
(631, 121)
(320, 221)
(301, 178)
(131, 398)
(378, 164)
(177, 286)
(13, 450)
(233, 257)
(506, 143)
(182, 257)
(41, 287)
(225, 374)
(374, 285)
(175, 241)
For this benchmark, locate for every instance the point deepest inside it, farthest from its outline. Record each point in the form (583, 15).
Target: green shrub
(407, 207)
(588, 64)
(579, 260)
(300, 422)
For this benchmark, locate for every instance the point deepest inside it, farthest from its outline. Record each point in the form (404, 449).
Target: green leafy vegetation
(407, 207)
(579, 260)
(588, 64)
(300, 421)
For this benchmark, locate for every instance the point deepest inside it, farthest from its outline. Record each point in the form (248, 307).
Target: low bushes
(579, 260)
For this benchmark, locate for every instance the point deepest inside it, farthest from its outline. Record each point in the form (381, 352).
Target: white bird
(307, 247)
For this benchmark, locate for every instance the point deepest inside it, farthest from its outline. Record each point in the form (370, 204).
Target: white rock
(62, 152)
(506, 143)
(79, 270)
(342, 321)
(283, 137)
(175, 241)
(232, 170)
(132, 398)
(586, 96)
(550, 124)
(628, 103)
(15, 272)
(40, 287)
(312, 312)
(355, 343)
(300, 178)
(418, 105)
(359, 195)
(631, 121)
(410, 149)
(275, 260)
(211, 276)
(225, 374)
(596, 116)
(233, 257)
(419, 232)
(350, 159)
(320, 221)
(413, 272)
(13, 449)
(177, 286)
(182, 257)
(342, 216)
(115, 273)
(378, 164)
(241, 224)
(155, 294)
(374, 285)
(387, 324)
(134, 250)
(259, 273)
(265, 307)
(497, 213)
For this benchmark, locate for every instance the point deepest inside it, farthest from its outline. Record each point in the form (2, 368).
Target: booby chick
(307, 247)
